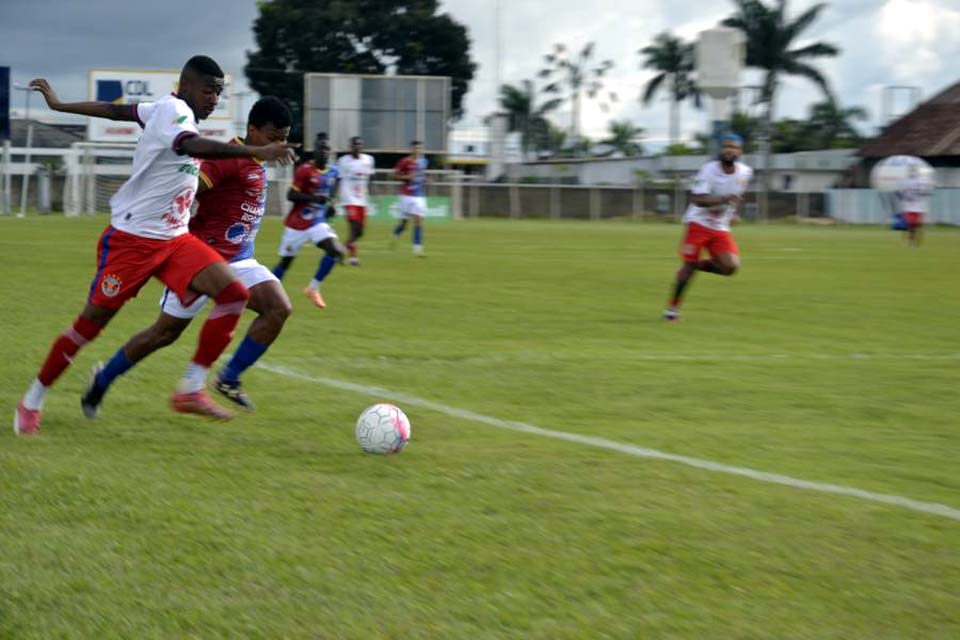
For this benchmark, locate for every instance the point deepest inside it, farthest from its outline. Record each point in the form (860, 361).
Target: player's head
(731, 147)
(356, 145)
(269, 121)
(201, 82)
(321, 150)
(416, 148)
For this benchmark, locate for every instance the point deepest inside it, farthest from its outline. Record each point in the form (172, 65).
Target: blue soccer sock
(119, 364)
(327, 263)
(401, 226)
(418, 235)
(243, 358)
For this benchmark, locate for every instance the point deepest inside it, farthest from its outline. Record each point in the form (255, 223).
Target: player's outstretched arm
(198, 147)
(107, 110)
(298, 196)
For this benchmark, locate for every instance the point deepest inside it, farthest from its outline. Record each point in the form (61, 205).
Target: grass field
(832, 357)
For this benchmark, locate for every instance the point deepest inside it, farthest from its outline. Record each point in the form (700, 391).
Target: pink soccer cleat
(199, 403)
(26, 422)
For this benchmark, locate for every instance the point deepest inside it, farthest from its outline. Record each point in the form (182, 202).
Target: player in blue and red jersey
(231, 198)
(412, 172)
(314, 184)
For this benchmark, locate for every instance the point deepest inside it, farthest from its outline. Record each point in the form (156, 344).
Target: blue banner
(4, 103)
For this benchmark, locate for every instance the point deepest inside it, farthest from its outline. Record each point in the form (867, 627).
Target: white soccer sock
(33, 400)
(194, 378)
(314, 285)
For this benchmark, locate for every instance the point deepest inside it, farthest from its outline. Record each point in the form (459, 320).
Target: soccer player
(411, 171)
(148, 234)
(311, 193)
(913, 201)
(231, 198)
(355, 168)
(715, 198)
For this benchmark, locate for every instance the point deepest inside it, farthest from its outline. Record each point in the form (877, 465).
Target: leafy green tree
(525, 115)
(624, 137)
(674, 59)
(572, 76)
(359, 36)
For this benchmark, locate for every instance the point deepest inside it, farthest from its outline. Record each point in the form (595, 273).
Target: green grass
(147, 524)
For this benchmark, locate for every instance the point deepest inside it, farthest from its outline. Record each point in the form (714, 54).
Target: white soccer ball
(891, 174)
(382, 429)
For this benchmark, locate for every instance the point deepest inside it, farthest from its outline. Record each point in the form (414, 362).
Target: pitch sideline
(610, 445)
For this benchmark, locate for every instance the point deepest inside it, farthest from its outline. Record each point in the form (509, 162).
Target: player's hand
(320, 199)
(281, 152)
(42, 86)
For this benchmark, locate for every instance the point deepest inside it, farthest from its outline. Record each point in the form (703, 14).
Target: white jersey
(915, 196)
(155, 201)
(713, 181)
(355, 174)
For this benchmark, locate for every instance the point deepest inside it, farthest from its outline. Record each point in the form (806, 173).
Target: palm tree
(525, 116)
(674, 59)
(770, 39)
(624, 137)
(832, 125)
(572, 76)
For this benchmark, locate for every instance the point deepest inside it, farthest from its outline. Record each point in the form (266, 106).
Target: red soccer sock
(217, 331)
(65, 347)
(352, 249)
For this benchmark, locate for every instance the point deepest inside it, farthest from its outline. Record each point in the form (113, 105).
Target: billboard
(386, 111)
(4, 103)
(126, 86)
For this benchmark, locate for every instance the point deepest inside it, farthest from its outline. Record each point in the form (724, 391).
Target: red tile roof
(931, 130)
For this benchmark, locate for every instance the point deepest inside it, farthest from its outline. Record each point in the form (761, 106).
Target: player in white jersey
(148, 234)
(356, 168)
(715, 199)
(913, 202)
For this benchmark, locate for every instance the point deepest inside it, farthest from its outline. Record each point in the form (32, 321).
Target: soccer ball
(382, 429)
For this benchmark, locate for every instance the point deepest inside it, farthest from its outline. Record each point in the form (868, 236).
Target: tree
(572, 76)
(361, 36)
(674, 59)
(831, 125)
(770, 46)
(624, 137)
(525, 116)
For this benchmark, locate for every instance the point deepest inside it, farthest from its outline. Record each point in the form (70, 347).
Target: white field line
(602, 443)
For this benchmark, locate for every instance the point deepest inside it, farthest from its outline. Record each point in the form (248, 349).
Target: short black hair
(270, 109)
(414, 143)
(356, 139)
(203, 65)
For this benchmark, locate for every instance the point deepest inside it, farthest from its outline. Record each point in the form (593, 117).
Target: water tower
(720, 56)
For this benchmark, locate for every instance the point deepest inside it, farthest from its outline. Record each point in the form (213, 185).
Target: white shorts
(249, 272)
(413, 206)
(294, 239)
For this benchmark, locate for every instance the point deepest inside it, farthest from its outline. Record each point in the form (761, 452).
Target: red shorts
(125, 262)
(700, 237)
(356, 212)
(913, 219)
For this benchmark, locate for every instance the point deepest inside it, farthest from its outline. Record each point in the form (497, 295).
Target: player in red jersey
(314, 184)
(412, 172)
(232, 196)
(356, 169)
(148, 234)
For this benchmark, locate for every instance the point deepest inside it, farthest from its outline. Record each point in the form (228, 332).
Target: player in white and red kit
(312, 190)
(356, 168)
(148, 234)
(412, 173)
(715, 198)
(232, 196)
(913, 202)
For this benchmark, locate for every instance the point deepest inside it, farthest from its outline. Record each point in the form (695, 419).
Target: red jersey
(229, 212)
(313, 181)
(416, 184)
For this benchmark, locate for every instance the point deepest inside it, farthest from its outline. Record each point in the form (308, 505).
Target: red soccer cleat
(315, 297)
(198, 403)
(26, 422)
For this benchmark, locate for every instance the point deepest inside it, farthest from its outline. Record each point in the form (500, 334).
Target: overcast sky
(884, 42)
